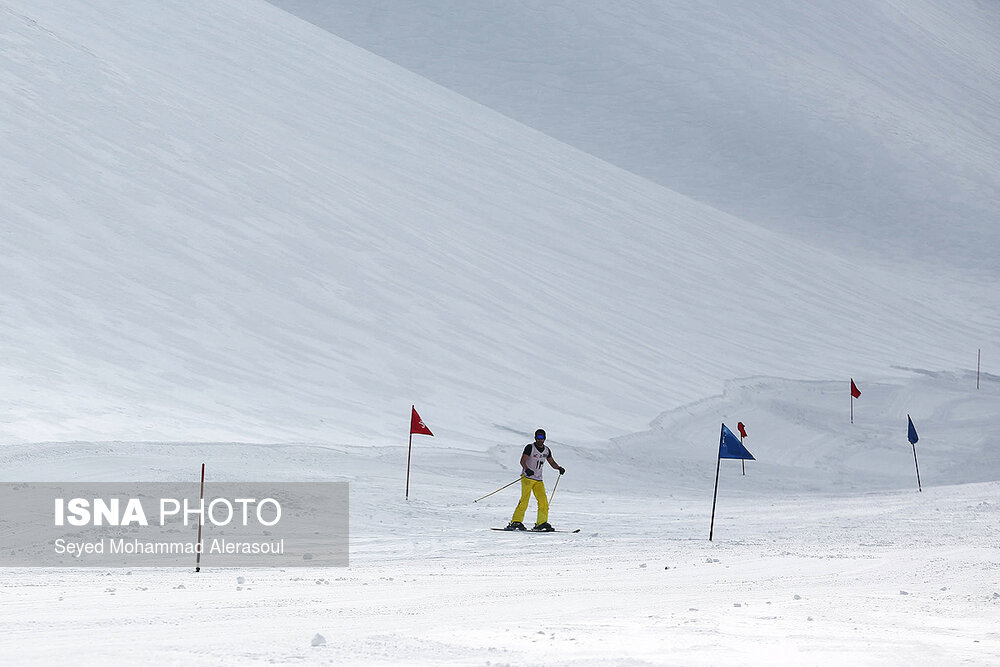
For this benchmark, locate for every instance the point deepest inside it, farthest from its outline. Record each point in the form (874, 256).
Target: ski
(504, 530)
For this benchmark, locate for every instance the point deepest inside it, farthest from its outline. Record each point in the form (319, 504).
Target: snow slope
(251, 230)
(867, 125)
(228, 236)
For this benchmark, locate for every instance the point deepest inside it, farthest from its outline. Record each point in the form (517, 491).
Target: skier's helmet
(540, 434)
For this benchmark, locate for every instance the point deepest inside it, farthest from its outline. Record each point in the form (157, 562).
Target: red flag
(742, 429)
(417, 424)
(855, 392)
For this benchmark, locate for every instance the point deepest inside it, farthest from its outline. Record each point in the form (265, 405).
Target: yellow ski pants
(529, 486)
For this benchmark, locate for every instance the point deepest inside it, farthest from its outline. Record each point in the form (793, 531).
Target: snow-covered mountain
(868, 125)
(233, 225)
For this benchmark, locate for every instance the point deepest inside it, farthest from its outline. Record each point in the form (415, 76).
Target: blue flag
(730, 446)
(911, 433)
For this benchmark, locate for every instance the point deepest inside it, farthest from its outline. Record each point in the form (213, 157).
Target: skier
(535, 454)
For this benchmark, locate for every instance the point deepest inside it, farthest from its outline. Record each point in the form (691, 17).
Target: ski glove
(562, 471)
(527, 473)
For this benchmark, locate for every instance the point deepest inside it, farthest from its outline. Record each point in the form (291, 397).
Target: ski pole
(498, 490)
(554, 489)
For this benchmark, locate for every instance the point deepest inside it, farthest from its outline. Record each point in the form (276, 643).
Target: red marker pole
(197, 564)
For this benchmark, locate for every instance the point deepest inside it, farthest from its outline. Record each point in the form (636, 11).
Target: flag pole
(711, 528)
(409, 450)
(715, 496)
(911, 435)
(743, 432)
(201, 520)
(855, 393)
(416, 426)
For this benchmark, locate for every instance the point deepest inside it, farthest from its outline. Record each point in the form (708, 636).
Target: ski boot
(515, 525)
(543, 528)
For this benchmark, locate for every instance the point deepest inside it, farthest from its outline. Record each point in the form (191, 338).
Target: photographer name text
(134, 546)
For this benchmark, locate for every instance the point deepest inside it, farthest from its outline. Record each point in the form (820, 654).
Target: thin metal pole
(916, 466)
(499, 490)
(711, 528)
(409, 450)
(554, 487)
(201, 520)
(743, 462)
